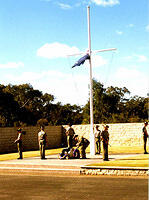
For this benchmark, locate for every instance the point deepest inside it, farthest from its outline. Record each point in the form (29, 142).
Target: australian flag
(81, 60)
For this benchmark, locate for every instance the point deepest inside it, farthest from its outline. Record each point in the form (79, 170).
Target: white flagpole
(92, 136)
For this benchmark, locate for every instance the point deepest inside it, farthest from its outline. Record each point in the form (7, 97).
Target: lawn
(136, 161)
(124, 149)
(27, 154)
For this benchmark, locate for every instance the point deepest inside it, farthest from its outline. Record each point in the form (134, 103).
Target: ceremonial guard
(19, 143)
(42, 139)
(70, 133)
(105, 140)
(70, 141)
(145, 136)
(97, 136)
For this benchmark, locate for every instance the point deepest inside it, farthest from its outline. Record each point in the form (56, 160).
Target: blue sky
(37, 35)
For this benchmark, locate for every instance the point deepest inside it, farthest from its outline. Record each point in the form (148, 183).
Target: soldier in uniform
(83, 143)
(70, 134)
(97, 136)
(42, 139)
(105, 140)
(19, 143)
(145, 136)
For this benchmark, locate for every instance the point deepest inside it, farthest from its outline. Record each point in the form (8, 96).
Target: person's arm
(145, 131)
(18, 138)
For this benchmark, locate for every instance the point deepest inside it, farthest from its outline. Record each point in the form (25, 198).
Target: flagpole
(92, 136)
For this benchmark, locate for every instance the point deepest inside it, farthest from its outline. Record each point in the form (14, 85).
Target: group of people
(74, 142)
(104, 137)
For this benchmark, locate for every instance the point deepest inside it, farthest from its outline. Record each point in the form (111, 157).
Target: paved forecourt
(53, 165)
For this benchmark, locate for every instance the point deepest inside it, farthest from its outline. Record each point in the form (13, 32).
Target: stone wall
(123, 134)
(30, 139)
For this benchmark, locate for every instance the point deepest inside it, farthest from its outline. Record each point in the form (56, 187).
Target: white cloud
(135, 57)
(106, 2)
(65, 87)
(147, 28)
(64, 6)
(127, 58)
(119, 32)
(56, 50)
(73, 88)
(142, 58)
(11, 65)
(98, 61)
(130, 25)
(131, 79)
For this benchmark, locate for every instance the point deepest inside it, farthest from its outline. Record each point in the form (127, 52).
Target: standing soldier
(105, 140)
(83, 143)
(145, 136)
(97, 136)
(70, 133)
(19, 143)
(70, 142)
(42, 139)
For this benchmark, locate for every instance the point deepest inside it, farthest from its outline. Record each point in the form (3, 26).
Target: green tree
(107, 103)
(9, 108)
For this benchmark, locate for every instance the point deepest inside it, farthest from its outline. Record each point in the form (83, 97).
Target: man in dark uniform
(19, 143)
(145, 136)
(70, 134)
(83, 143)
(42, 139)
(105, 140)
(97, 136)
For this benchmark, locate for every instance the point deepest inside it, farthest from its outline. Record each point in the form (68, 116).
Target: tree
(136, 108)
(107, 103)
(9, 108)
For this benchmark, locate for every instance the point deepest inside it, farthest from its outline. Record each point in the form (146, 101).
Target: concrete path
(53, 164)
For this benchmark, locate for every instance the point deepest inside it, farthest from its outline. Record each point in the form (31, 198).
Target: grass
(124, 149)
(136, 161)
(28, 154)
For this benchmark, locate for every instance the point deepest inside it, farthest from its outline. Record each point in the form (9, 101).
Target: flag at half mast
(81, 60)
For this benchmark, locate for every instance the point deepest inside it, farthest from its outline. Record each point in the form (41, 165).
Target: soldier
(145, 136)
(70, 133)
(42, 139)
(19, 143)
(83, 143)
(105, 140)
(97, 136)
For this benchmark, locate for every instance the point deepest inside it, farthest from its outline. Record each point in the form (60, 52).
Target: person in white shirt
(42, 139)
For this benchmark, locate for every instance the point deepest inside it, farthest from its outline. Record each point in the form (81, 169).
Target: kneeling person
(83, 143)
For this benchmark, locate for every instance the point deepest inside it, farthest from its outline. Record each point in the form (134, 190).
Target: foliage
(112, 106)
(22, 105)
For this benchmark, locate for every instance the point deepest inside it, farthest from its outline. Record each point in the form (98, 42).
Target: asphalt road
(19, 187)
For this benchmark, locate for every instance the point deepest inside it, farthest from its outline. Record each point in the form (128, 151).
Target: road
(27, 187)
